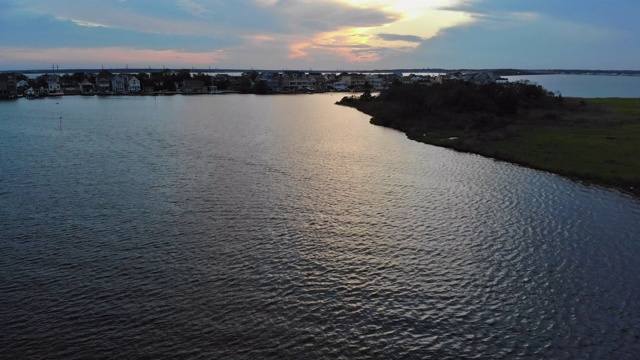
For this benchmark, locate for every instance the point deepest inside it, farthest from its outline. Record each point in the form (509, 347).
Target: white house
(134, 85)
(353, 80)
(295, 80)
(53, 87)
(375, 81)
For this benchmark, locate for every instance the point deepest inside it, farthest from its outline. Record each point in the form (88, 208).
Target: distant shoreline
(497, 72)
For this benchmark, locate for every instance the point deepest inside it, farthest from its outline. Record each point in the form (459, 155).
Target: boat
(30, 94)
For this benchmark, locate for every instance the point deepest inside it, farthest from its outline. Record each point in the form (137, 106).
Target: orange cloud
(259, 38)
(415, 23)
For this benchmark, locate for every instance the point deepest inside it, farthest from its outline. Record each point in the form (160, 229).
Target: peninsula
(591, 140)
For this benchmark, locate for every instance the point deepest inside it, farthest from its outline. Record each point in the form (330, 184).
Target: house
(103, 81)
(87, 87)
(353, 81)
(480, 78)
(69, 86)
(193, 86)
(8, 89)
(134, 85)
(338, 86)
(295, 80)
(272, 79)
(317, 80)
(439, 79)
(103, 85)
(375, 82)
(53, 86)
(117, 84)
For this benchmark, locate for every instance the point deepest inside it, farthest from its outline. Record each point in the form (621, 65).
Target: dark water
(242, 227)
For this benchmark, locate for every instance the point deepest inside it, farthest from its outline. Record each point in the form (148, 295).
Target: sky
(320, 34)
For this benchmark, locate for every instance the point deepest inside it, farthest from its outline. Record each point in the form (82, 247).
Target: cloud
(460, 5)
(194, 8)
(301, 33)
(111, 56)
(309, 17)
(302, 24)
(396, 37)
(267, 3)
(119, 16)
(346, 27)
(86, 23)
(259, 38)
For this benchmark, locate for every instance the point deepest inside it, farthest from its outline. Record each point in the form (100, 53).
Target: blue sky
(320, 34)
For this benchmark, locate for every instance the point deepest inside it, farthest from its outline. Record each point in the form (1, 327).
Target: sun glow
(413, 23)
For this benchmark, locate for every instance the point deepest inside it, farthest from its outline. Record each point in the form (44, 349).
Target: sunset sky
(320, 34)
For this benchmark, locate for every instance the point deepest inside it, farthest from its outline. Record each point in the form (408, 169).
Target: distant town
(207, 81)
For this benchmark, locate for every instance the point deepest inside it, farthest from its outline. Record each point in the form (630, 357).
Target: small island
(591, 140)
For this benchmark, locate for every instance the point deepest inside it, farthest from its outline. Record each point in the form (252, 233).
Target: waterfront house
(103, 85)
(295, 80)
(272, 79)
(329, 78)
(53, 86)
(318, 80)
(375, 81)
(338, 86)
(234, 81)
(117, 84)
(87, 87)
(133, 84)
(103, 81)
(8, 87)
(353, 81)
(193, 86)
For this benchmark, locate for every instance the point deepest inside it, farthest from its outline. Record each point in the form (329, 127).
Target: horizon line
(218, 70)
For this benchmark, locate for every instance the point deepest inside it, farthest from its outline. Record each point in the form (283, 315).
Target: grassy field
(609, 155)
(594, 140)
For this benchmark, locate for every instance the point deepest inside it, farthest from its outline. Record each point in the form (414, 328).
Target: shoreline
(512, 148)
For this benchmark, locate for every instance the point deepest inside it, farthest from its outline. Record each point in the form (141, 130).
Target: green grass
(609, 154)
(627, 108)
(599, 143)
(597, 140)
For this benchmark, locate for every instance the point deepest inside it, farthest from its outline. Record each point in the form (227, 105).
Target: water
(245, 227)
(587, 86)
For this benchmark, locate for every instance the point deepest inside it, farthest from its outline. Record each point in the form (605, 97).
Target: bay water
(283, 227)
(587, 86)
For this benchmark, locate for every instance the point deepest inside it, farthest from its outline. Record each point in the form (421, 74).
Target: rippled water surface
(244, 227)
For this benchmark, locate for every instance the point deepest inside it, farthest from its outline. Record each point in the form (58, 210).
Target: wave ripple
(213, 229)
